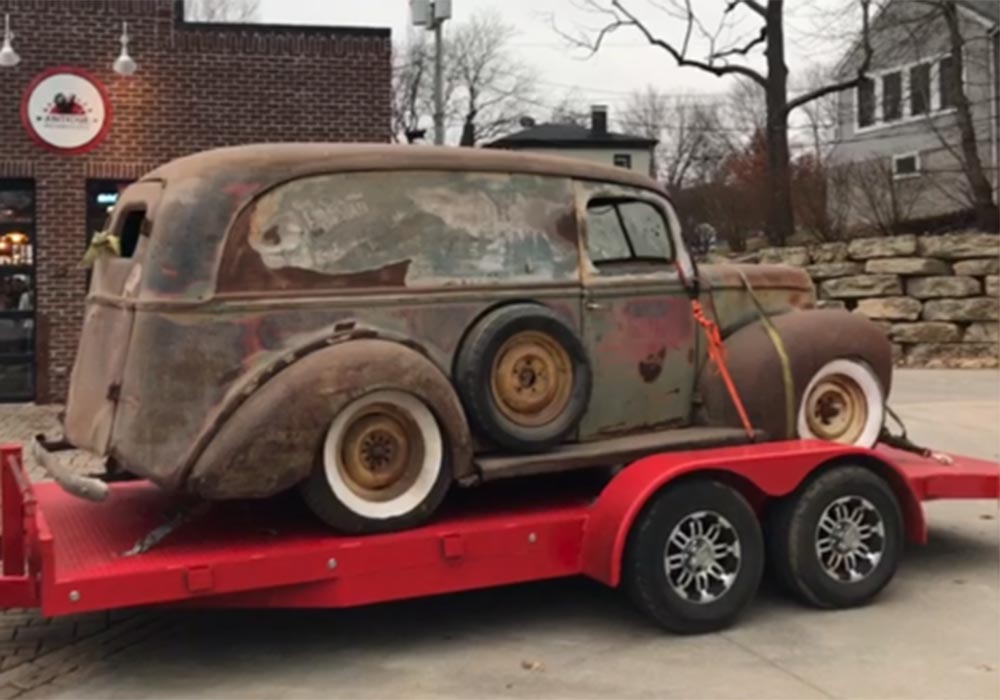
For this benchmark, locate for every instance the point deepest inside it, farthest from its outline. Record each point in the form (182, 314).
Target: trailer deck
(67, 555)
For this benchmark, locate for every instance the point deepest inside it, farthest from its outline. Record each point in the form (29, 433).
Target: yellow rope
(779, 347)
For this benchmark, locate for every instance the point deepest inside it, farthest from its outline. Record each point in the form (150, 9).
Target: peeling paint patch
(448, 228)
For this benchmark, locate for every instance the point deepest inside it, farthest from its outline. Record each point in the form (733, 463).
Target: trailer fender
(760, 472)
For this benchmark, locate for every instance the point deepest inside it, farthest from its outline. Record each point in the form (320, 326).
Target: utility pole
(432, 14)
(438, 89)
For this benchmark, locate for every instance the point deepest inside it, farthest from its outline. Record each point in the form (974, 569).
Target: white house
(595, 143)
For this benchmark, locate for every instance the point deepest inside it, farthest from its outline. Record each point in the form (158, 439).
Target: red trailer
(683, 532)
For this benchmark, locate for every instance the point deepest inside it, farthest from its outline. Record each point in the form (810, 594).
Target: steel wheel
(835, 409)
(381, 450)
(383, 454)
(702, 557)
(531, 378)
(850, 539)
(843, 403)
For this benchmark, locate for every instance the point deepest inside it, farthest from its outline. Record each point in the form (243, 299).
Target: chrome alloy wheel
(850, 539)
(702, 557)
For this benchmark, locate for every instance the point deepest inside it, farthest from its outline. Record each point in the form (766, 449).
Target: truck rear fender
(269, 442)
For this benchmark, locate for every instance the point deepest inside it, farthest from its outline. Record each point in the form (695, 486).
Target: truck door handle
(595, 305)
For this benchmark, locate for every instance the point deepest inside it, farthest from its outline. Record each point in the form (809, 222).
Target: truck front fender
(811, 338)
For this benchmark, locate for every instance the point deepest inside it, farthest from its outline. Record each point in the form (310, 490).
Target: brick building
(197, 86)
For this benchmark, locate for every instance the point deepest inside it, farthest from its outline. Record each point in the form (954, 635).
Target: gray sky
(625, 64)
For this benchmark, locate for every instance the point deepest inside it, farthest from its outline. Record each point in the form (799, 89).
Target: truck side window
(626, 230)
(606, 239)
(646, 230)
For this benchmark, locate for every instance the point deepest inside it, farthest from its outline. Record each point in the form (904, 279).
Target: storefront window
(17, 290)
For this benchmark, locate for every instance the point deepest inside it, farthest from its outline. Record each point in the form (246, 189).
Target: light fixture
(8, 56)
(124, 64)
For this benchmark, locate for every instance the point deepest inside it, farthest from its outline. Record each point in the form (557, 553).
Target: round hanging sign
(66, 110)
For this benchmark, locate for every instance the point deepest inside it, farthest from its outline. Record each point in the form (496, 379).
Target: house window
(623, 160)
(948, 82)
(909, 92)
(892, 96)
(866, 103)
(920, 89)
(905, 165)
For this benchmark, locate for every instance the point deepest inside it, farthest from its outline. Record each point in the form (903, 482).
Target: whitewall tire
(381, 466)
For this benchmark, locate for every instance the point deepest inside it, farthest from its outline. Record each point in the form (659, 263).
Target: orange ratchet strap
(717, 353)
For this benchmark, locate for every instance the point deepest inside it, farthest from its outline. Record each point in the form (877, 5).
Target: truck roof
(280, 161)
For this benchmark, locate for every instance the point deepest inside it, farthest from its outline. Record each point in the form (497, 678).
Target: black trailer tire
(530, 341)
(837, 542)
(664, 574)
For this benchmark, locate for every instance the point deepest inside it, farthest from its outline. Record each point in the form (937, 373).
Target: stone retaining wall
(936, 297)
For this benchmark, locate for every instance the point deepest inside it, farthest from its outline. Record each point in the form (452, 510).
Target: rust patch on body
(565, 227)
(241, 190)
(652, 365)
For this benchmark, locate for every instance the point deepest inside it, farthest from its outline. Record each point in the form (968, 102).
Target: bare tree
(571, 109)
(692, 142)
(722, 44)
(491, 86)
(746, 107)
(238, 11)
(486, 89)
(412, 66)
(820, 115)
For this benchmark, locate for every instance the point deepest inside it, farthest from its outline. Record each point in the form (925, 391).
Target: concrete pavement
(934, 633)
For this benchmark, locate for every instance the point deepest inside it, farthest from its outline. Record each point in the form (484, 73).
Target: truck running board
(610, 452)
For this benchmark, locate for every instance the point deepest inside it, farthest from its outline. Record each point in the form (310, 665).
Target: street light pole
(438, 90)
(432, 14)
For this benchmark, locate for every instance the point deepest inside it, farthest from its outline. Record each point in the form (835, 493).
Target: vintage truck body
(263, 288)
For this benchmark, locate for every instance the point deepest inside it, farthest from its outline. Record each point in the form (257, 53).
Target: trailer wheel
(695, 557)
(837, 543)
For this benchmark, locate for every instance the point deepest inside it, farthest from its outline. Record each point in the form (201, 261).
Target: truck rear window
(133, 225)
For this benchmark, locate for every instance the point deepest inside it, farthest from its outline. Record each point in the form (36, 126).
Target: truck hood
(778, 288)
(727, 276)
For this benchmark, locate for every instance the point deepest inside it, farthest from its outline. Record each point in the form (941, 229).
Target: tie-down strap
(779, 347)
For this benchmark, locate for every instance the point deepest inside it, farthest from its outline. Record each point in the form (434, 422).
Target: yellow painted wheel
(383, 454)
(836, 409)
(531, 378)
(380, 447)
